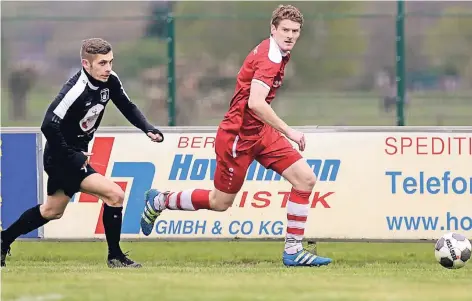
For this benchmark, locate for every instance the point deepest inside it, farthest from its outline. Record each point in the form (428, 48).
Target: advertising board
(371, 185)
(19, 177)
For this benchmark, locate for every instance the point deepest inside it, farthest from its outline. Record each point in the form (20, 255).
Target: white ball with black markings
(453, 250)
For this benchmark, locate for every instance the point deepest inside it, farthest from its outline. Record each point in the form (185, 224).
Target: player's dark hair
(286, 12)
(93, 46)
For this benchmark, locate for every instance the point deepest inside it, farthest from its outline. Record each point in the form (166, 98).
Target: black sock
(30, 219)
(112, 218)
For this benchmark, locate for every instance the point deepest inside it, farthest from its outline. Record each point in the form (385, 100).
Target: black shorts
(60, 177)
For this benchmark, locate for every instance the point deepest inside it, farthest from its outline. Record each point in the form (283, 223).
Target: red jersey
(265, 64)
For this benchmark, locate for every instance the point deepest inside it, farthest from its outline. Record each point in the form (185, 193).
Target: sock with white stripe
(188, 200)
(297, 212)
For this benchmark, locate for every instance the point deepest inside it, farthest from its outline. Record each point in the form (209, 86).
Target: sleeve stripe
(71, 96)
(121, 85)
(262, 83)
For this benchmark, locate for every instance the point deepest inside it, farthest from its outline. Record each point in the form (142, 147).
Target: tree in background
(213, 38)
(448, 43)
(21, 80)
(4, 54)
(158, 27)
(327, 53)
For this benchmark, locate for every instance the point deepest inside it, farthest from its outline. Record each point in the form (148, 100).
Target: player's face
(286, 34)
(100, 67)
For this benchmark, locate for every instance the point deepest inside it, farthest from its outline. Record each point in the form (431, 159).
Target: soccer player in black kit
(69, 125)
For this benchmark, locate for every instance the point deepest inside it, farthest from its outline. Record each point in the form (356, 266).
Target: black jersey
(75, 114)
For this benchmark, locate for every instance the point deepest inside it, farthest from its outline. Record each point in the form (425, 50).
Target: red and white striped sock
(297, 213)
(188, 200)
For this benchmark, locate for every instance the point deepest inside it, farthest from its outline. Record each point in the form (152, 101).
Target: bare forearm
(268, 115)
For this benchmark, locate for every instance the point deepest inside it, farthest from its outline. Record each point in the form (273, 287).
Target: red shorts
(234, 155)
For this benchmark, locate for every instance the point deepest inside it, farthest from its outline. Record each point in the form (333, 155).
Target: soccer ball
(453, 250)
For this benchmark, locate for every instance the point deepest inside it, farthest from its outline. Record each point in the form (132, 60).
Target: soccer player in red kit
(250, 131)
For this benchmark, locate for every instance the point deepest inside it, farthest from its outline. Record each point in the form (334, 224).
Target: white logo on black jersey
(104, 95)
(91, 117)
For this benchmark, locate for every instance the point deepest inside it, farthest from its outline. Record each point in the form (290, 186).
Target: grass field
(230, 271)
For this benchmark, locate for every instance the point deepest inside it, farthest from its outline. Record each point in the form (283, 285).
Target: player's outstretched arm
(131, 111)
(257, 103)
(51, 128)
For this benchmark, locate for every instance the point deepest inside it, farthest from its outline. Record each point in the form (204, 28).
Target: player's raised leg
(157, 201)
(231, 168)
(186, 200)
(113, 196)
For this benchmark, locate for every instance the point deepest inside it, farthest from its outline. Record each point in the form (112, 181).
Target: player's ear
(85, 63)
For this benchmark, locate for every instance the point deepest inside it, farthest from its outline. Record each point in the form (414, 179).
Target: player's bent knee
(305, 181)
(221, 201)
(221, 206)
(301, 176)
(51, 212)
(105, 189)
(115, 197)
(309, 181)
(54, 206)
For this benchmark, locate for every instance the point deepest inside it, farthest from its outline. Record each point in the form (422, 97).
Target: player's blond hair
(93, 46)
(286, 12)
